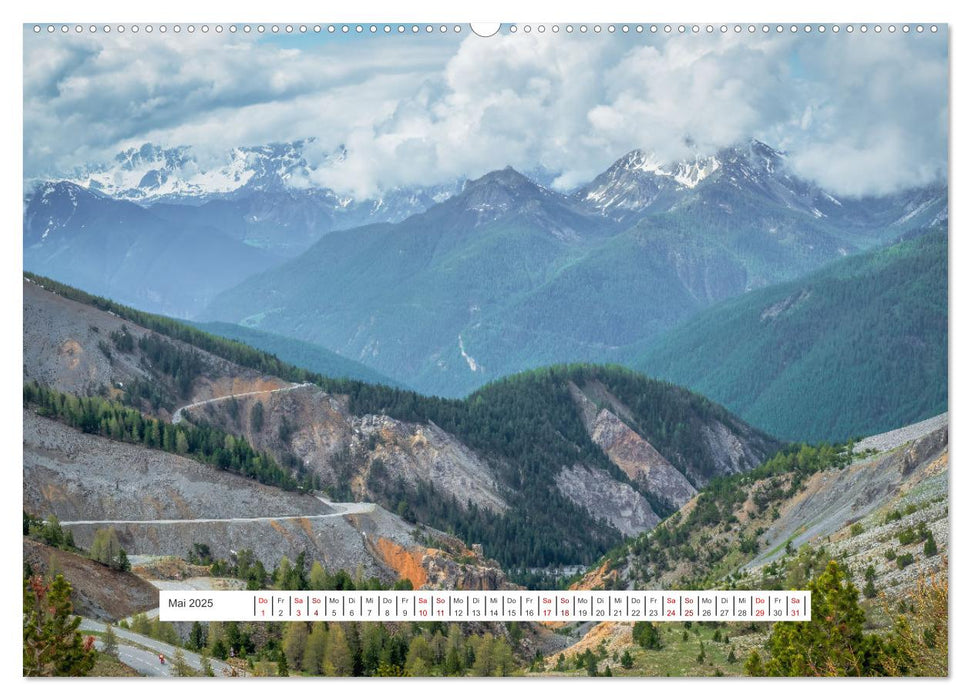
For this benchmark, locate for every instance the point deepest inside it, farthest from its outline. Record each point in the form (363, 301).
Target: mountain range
(508, 275)
(158, 229)
(445, 289)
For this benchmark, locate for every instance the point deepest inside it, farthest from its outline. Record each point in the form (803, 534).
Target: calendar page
(438, 349)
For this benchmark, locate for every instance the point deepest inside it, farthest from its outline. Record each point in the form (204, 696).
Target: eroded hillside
(548, 468)
(882, 515)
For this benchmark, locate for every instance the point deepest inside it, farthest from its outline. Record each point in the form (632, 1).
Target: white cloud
(859, 114)
(879, 115)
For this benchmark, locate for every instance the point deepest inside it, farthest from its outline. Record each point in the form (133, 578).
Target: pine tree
(419, 660)
(53, 646)
(106, 549)
(197, 636)
(282, 573)
(590, 663)
(455, 654)
(318, 577)
(754, 665)
(502, 659)
(205, 664)
(647, 636)
(918, 642)
(832, 643)
(256, 417)
(869, 588)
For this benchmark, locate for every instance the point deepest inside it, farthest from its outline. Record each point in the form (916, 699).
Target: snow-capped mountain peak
(151, 173)
(640, 180)
(687, 173)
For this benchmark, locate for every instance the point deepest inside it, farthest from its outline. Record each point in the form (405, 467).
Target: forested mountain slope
(857, 348)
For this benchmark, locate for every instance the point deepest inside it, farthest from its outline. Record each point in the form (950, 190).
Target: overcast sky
(859, 114)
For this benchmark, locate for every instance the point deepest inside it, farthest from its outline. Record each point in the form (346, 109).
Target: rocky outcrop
(727, 449)
(729, 454)
(342, 449)
(639, 460)
(635, 456)
(415, 453)
(604, 497)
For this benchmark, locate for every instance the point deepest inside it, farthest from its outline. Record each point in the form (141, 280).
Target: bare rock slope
(162, 504)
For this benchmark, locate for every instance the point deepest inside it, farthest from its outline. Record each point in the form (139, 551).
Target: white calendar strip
(478, 606)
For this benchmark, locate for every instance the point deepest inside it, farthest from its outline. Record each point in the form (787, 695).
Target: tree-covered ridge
(529, 427)
(526, 427)
(858, 347)
(515, 416)
(203, 443)
(542, 530)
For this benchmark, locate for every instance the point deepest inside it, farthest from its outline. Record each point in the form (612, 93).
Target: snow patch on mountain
(687, 173)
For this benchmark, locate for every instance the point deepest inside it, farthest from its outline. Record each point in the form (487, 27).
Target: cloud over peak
(859, 114)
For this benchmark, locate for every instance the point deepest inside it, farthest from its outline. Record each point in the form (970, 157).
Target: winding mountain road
(340, 509)
(177, 416)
